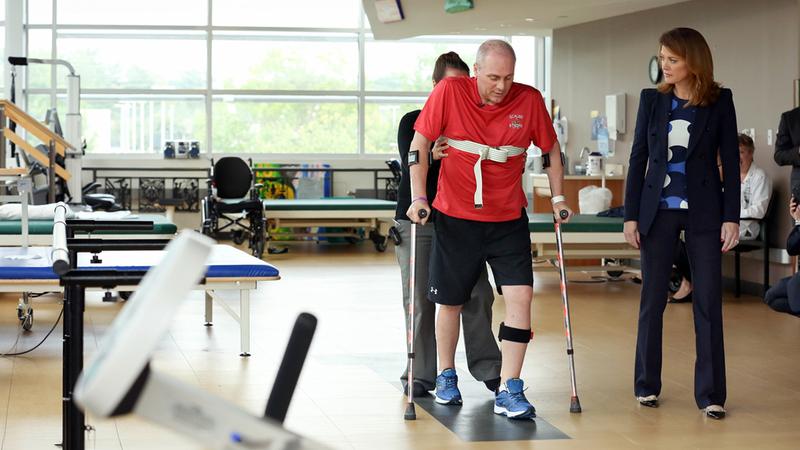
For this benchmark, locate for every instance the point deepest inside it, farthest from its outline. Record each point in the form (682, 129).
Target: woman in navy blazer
(673, 185)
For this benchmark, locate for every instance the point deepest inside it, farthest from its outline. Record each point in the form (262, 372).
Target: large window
(2, 39)
(239, 76)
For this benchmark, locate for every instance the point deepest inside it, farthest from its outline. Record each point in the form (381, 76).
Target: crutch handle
(563, 213)
(422, 213)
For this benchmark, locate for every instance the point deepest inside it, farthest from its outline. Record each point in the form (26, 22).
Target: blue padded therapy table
(30, 270)
(331, 217)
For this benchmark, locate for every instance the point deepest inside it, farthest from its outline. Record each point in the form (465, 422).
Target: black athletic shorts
(462, 247)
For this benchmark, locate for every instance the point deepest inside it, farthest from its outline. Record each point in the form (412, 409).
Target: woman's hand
(729, 236)
(439, 148)
(631, 230)
(562, 206)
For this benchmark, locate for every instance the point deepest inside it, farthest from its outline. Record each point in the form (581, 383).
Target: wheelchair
(232, 209)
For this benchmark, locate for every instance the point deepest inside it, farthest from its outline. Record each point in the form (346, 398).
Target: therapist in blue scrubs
(674, 185)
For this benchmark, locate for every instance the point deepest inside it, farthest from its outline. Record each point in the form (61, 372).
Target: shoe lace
(518, 396)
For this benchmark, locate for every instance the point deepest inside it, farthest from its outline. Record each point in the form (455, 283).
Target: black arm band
(546, 160)
(413, 157)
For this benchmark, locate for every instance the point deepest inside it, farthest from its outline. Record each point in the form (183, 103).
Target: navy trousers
(705, 260)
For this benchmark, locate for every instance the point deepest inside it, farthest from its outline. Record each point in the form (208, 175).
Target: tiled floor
(346, 400)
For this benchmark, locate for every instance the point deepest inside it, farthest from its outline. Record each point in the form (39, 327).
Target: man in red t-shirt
(480, 207)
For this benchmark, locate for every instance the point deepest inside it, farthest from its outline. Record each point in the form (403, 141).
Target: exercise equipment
(72, 134)
(120, 380)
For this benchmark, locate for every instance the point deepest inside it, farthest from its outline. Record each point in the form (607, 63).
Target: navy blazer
(713, 130)
(787, 143)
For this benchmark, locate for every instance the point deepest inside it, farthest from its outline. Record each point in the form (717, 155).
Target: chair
(232, 209)
(761, 243)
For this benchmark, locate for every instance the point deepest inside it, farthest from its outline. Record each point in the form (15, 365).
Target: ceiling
(501, 17)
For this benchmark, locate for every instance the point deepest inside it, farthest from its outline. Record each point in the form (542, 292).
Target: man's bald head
(497, 46)
(494, 70)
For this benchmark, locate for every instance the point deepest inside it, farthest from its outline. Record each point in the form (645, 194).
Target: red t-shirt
(454, 109)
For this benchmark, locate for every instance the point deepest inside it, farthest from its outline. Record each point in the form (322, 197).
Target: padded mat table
(303, 218)
(30, 270)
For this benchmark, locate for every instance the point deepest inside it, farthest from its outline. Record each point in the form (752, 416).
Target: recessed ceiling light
(504, 25)
(480, 29)
(530, 19)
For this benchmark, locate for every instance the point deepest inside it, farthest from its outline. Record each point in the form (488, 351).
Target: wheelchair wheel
(257, 245)
(379, 240)
(206, 230)
(209, 228)
(615, 274)
(238, 237)
(26, 319)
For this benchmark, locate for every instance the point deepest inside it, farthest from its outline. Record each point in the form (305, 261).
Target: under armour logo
(434, 291)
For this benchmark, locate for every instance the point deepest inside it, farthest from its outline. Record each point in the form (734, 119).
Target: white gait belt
(496, 154)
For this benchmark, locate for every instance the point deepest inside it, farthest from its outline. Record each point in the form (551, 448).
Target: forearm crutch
(411, 413)
(574, 404)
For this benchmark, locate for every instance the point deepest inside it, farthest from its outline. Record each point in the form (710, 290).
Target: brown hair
(449, 60)
(746, 141)
(690, 45)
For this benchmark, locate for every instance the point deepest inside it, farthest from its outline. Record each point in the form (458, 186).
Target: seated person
(756, 191)
(785, 295)
(755, 194)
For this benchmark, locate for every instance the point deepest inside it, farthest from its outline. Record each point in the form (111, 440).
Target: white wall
(756, 48)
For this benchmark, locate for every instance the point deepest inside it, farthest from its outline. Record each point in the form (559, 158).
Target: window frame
(363, 96)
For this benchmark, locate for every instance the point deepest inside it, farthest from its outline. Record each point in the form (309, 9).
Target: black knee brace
(514, 334)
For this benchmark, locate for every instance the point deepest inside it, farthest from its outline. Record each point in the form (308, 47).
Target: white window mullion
(54, 53)
(361, 88)
(209, 100)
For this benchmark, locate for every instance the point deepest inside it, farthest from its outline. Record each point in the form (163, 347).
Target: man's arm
(555, 176)
(418, 175)
(759, 200)
(787, 153)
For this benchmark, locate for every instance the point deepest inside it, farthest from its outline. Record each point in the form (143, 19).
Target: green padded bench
(580, 223)
(586, 236)
(330, 218)
(41, 231)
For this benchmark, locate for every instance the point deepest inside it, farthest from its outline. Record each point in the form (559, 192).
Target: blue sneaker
(510, 401)
(447, 392)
